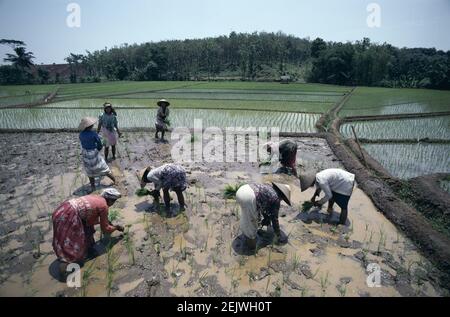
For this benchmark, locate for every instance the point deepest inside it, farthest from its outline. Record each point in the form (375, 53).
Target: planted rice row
(42, 118)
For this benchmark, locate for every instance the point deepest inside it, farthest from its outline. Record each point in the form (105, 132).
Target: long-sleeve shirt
(334, 180)
(93, 210)
(90, 140)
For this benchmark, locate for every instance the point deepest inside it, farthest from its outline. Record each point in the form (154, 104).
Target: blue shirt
(90, 140)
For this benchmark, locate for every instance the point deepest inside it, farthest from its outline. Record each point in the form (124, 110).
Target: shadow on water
(264, 238)
(100, 248)
(148, 207)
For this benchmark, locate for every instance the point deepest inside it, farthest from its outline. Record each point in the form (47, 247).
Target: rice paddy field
(404, 160)
(410, 128)
(384, 101)
(291, 108)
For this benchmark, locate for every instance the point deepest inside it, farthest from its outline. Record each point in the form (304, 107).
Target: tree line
(243, 56)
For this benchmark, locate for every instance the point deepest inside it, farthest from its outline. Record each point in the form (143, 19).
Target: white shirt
(334, 180)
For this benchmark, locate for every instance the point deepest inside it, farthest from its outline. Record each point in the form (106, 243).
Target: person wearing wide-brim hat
(162, 118)
(94, 164)
(337, 186)
(260, 204)
(166, 177)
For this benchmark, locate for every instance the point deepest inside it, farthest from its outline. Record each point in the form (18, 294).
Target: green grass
(382, 101)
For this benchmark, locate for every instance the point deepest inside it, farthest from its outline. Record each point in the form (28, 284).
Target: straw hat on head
(86, 122)
(307, 180)
(163, 101)
(141, 173)
(106, 105)
(285, 191)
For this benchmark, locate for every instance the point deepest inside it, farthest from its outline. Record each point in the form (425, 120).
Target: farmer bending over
(287, 153)
(337, 186)
(73, 226)
(166, 177)
(261, 201)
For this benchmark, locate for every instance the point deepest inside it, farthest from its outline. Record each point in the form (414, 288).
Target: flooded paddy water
(199, 252)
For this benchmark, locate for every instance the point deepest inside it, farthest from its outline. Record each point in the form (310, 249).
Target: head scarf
(111, 193)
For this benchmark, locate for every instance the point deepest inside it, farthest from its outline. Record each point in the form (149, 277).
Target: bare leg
(330, 205)
(114, 152)
(162, 134)
(343, 217)
(180, 199)
(111, 177)
(156, 134)
(106, 153)
(166, 197)
(92, 181)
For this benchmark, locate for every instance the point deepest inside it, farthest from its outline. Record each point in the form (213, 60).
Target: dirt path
(200, 252)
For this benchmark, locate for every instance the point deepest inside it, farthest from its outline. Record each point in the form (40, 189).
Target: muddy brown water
(199, 252)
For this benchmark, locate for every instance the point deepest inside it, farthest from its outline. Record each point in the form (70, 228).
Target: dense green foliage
(257, 56)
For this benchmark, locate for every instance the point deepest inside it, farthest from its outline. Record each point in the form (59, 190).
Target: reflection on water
(411, 160)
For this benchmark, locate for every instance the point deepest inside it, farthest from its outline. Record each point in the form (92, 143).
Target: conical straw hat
(285, 190)
(163, 101)
(87, 122)
(306, 181)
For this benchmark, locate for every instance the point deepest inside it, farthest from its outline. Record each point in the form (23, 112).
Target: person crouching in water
(261, 201)
(109, 128)
(166, 177)
(94, 164)
(162, 117)
(287, 153)
(73, 226)
(337, 186)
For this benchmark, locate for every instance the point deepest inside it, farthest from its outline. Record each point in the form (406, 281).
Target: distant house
(285, 79)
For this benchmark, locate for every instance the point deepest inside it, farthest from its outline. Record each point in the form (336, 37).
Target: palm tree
(22, 59)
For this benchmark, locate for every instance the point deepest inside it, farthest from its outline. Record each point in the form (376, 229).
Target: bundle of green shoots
(306, 206)
(143, 192)
(230, 190)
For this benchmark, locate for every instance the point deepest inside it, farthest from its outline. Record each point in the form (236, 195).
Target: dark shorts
(341, 200)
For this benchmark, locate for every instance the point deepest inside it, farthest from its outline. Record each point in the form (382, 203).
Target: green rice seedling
(381, 241)
(307, 206)
(277, 291)
(295, 262)
(111, 266)
(86, 278)
(141, 192)
(251, 277)
(114, 214)
(202, 279)
(129, 245)
(324, 283)
(268, 282)
(342, 289)
(334, 229)
(231, 190)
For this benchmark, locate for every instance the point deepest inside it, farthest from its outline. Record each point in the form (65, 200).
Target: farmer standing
(166, 177)
(73, 225)
(337, 186)
(108, 125)
(261, 201)
(94, 164)
(287, 153)
(162, 117)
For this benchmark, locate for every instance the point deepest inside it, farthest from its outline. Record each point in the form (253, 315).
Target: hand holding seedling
(120, 228)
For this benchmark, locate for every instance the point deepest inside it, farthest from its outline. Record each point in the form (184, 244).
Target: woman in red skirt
(73, 225)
